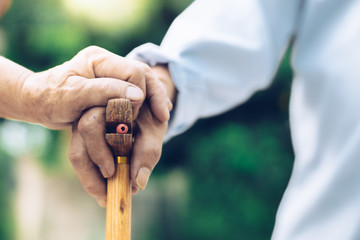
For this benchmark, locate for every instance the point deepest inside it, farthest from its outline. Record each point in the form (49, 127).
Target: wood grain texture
(120, 144)
(118, 209)
(118, 111)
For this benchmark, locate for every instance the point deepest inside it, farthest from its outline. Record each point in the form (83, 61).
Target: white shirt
(221, 52)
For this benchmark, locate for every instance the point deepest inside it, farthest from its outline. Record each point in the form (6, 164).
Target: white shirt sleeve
(322, 200)
(220, 52)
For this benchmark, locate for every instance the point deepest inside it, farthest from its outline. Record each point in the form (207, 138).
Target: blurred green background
(223, 179)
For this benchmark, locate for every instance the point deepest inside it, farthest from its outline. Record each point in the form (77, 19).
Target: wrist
(29, 94)
(12, 80)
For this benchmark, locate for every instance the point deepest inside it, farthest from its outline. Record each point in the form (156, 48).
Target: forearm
(11, 80)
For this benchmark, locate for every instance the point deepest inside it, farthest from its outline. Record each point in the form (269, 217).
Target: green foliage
(7, 183)
(238, 174)
(237, 181)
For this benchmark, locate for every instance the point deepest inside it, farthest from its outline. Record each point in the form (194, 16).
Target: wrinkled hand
(92, 158)
(58, 97)
(90, 153)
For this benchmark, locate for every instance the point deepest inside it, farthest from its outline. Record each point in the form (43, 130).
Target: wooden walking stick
(119, 128)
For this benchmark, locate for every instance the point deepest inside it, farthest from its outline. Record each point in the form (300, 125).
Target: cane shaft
(118, 212)
(119, 127)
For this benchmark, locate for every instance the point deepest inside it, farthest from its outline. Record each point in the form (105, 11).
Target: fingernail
(101, 202)
(169, 104)
(104, 171)
(142, 178)
(166, 115)
(134, 190)
(134, 94)
(167, 109)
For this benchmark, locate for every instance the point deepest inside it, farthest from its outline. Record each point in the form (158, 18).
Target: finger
(87, 172)
(97, 92)
(157, 95)
(92, 130)
(147, 147)
(134, 189)
(96, 62)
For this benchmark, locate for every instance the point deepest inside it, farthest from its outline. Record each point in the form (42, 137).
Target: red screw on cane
(122, 129)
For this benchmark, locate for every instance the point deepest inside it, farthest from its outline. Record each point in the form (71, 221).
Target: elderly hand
(81, 87)
(58, 97)
(90, 153)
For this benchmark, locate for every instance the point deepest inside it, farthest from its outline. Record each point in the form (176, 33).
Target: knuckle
(90, 121)
(76, 158)
(137, 74)
(147, 68)
(87, 58)
(92, 54)
(143, 67)
(91, 50)
(86, 124)
(140, 68)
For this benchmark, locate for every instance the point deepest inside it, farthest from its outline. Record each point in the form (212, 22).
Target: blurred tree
(7, 184)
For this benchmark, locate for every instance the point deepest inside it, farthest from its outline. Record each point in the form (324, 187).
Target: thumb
(98, 91)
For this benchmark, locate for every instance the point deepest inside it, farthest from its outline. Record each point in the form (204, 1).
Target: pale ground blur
(51, 204)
